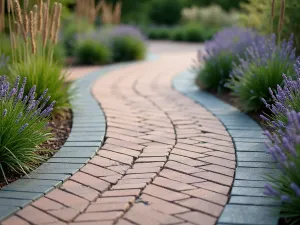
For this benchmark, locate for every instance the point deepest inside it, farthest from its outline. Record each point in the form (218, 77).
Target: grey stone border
(86, 138)
(247, 204)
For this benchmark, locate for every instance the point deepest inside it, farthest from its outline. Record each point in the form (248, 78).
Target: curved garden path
(165, 160)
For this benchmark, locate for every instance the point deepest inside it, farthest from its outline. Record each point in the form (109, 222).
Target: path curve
(165, 160)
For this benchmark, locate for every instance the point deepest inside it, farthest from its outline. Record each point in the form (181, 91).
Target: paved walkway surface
(165, 160)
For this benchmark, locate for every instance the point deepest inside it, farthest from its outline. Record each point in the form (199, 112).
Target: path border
(247, 204)
(85, 140)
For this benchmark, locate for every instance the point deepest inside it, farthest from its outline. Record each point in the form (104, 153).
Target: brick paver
(166, 159)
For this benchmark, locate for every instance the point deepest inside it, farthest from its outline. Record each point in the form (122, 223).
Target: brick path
(166, 160)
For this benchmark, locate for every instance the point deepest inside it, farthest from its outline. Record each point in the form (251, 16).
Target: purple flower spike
(296, 189)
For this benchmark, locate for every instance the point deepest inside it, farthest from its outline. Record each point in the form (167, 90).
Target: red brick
(124, 222)
(154, 154)
(217, 147)
(162, 134)
(163, 206)
(128, 127)
(164, 193)
(98, 216)
(186, 160)
(126, 138)
(90, 181)
(36, 216)
(215, 177)
(202, 206)
(135, 181)
(223, 155)
(213, 187)
(192, 148)
(219, 161)
(47, 204)
(68, 199)
(171, 184)
(182, 167)
(66, 214)
(108, 207)
(80, 190)
(121, 150)
(115, 199)
(143, 215)
(181, 177)
(14, 220)
(159, 139)
(198, 218)
(152, 159)
(121, 193)
(93, 223)
(144, 170)
(128, 186)
(137, 176)
(208, 195)
(116, 156)
(124, 144)
(145, 165)
(97, 171)
(193, 155)
(121, 169)
(104, 162)
(219, 169)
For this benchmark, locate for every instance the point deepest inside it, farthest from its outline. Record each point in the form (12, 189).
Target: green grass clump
(23, 127)
(91, 52)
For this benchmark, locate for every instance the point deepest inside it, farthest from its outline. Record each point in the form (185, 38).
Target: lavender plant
(284, 100)
(261, 67)
(285, 150)
(23, 126)
(221, 52)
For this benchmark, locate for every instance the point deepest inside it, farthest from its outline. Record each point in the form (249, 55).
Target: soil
(60, 126)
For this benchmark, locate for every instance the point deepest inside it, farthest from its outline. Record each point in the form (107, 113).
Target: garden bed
(60, 126)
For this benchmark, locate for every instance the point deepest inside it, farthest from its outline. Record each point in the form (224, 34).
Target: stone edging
(247, 203)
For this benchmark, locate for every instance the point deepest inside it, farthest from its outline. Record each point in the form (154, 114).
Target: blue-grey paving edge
(247, 205)
(86, 138)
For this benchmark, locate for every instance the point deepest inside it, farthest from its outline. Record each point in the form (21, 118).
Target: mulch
(60, 126)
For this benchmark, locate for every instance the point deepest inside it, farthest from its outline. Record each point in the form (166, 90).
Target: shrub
(283, 100)
(211, 17)
(285, 184)
(126, 42)
(160, 33)
(165, 12)
(23, 126)
(128, 48)
(262, 67)
(222, 51)
(71, 29)
(90, 52)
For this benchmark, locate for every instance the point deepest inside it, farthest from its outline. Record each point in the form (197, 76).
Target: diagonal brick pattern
(165, 160)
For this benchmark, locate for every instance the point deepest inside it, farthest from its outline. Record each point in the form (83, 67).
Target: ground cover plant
(23, 126)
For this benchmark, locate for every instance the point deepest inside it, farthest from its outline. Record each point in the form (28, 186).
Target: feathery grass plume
(26, 4)
(9, 5)
(20, 20)
(45, 25)
(281, 19)
(32, 34)
(57, 23)
(17, 28)
(26, 25)
(35, 18)
(53, 20)
(2, 15)
(40, 21)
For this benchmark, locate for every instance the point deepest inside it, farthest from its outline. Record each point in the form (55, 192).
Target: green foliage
(215, 71)
(165, 12)
(160, 33)
(254, 83)
(71, 29)
(91, 52)
(127, 48)
(45, 74)
(22, 131)
(212, 17)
